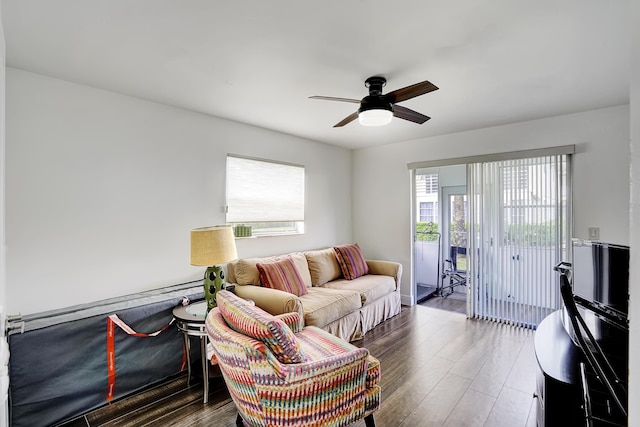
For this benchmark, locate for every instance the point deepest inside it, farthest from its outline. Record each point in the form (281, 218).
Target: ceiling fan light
(375, 117)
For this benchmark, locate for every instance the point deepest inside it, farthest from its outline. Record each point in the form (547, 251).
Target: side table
(190, 320)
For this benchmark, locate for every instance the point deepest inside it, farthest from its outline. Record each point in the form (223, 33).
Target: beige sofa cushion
(323, 305)
(370, 287)
(246, 272)
(323, 266)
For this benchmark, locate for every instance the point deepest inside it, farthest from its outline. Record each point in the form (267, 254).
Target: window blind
(264, 191)
(519, 228)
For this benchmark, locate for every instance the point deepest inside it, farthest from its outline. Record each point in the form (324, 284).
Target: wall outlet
(594, 233)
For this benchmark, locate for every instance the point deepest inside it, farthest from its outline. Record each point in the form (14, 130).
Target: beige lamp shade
(213, 245)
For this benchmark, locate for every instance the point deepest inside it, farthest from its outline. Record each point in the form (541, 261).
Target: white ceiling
(258, 61)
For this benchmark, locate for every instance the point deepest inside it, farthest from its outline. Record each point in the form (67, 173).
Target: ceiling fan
(377, 109)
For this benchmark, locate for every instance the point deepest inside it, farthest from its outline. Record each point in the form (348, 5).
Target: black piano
(582, 349)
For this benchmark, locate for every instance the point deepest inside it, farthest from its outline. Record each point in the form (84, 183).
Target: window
(431, 183)
(264, 198)
(428, 211)
(427, 191)
(515, 177)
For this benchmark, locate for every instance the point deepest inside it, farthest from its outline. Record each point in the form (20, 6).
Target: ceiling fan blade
(346, 120)
(331, 98)
(408, 114)
(409, 92)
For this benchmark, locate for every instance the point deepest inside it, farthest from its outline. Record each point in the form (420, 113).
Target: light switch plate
(594, 233)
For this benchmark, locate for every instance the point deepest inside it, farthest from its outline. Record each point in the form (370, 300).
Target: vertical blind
(264, 191)
(519, 212)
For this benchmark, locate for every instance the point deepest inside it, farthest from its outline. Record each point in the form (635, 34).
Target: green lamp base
(213, 283)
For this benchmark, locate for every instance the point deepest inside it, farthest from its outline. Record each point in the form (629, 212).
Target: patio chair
(451, 275)
(281, 374)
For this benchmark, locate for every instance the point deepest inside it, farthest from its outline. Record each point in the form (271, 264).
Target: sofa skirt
(378, 311)
(354, 326)
(348, 328)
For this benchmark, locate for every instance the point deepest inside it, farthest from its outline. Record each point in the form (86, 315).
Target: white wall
(4, 348)
(450, 176)
(102, 190)
(381, 181)
(634, 280)
(2, 178)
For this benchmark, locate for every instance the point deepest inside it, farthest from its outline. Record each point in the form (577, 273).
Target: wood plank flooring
(456, 301)
(438, 369)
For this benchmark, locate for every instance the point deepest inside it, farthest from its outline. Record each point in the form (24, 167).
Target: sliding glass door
(519, 215)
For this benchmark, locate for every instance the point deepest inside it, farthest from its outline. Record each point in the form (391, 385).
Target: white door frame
(445, 210)
(445, 225)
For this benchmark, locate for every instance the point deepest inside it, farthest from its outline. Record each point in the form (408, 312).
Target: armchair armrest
(272, 301)
(386, 268)
(355, 362)
(292, 320)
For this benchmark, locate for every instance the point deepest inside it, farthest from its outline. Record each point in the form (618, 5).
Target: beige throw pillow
(323, 266)
(303, 267)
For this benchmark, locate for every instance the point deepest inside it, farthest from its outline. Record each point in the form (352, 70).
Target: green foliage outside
(540, 235)
(543, 234)
(425, 231)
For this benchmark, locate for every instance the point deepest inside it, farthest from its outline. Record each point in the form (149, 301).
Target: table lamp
(210, 247)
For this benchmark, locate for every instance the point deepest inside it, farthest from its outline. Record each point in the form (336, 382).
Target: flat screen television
(600, 277)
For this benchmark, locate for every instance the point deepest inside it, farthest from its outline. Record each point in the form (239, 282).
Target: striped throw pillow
(256, 323)
(351, 261)
(282, 275)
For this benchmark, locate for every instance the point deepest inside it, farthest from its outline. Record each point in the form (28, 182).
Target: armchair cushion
(256, 323)
(282, 275)
(320, 344)
(351, 260)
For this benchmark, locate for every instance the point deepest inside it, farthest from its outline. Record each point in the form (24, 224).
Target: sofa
(345, 305)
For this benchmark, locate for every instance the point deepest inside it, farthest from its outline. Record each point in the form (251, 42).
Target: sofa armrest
(273, 301)
(386, 268)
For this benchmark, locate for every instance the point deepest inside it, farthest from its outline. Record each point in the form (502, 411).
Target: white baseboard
(407, 299)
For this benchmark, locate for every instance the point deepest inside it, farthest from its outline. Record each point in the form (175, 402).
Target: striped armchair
(280, 374)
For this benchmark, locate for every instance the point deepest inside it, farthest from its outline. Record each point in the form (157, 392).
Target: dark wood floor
(456, 302)
(438, 369)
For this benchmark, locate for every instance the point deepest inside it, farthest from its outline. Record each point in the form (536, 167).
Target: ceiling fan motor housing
(375, 84)
(374, 101)
(374, 111)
